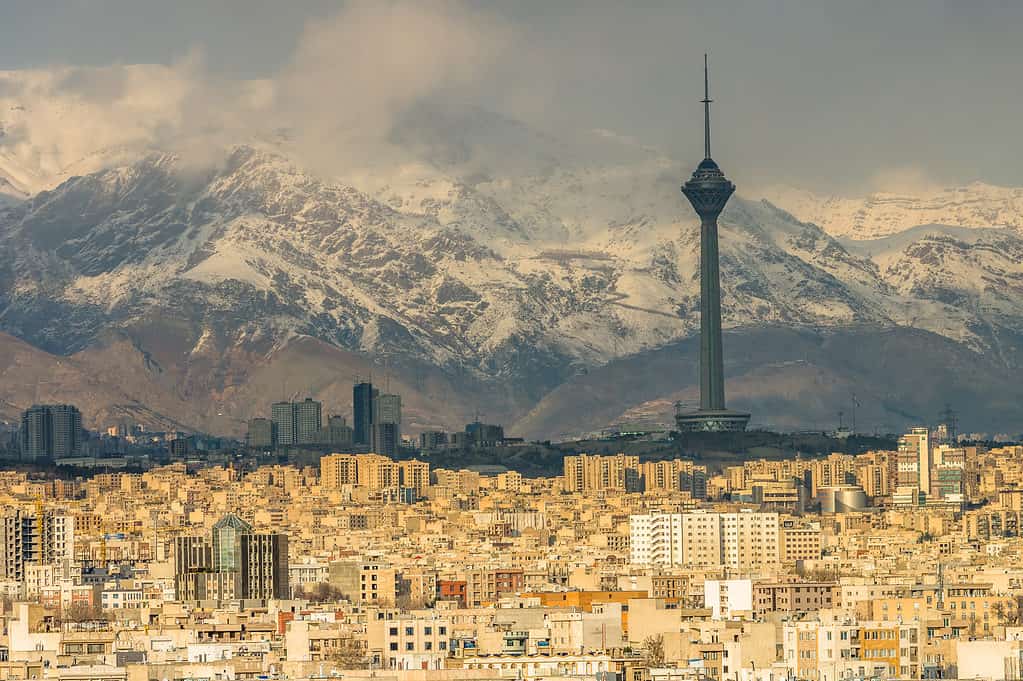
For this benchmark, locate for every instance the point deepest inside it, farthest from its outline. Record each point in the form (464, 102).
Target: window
(393, 631)
(394, 645)
(410, 646)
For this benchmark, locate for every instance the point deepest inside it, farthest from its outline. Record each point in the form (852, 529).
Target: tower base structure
(711, 421)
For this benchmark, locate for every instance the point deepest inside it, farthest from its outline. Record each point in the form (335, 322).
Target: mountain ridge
(507, 284)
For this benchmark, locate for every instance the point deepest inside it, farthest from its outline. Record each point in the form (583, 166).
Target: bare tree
(1010, 612)
(78, 611)
(350, 654)
(321, 592)
(653, 650)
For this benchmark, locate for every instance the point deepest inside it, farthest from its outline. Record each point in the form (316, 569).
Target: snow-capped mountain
(516, 280)
(880, 215)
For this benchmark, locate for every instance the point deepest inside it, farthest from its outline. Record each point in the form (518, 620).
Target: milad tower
(709, 190)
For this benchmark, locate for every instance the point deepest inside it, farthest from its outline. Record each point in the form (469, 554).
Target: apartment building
(592, 473)
(799, 541)
(744, 541)
(412, 641)
(792, 597)
(365, 583)
(39, 537)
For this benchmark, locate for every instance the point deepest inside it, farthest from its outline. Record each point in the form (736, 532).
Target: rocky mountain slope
(478, 288)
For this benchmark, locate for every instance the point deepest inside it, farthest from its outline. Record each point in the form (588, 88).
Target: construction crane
(40, 528)
(103, 544)
(155, 518)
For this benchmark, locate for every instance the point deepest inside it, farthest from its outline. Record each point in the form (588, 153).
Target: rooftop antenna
(706, 108)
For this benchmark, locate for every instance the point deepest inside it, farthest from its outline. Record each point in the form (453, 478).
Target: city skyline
(769, 433)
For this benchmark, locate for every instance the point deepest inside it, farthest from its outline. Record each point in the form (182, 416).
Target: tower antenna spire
(706, 108)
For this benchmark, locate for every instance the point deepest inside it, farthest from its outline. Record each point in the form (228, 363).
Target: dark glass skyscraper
(363, 396)
(708, 190)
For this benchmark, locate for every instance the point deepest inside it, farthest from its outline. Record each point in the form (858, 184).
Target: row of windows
(880, 652)
(427, 631)
(442, 645)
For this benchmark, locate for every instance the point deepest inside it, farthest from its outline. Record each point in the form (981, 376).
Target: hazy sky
(831, 95)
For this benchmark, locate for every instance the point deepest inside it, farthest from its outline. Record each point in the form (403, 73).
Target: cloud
(910, 179)
(69, 120)
(351, 77)
(354, 75)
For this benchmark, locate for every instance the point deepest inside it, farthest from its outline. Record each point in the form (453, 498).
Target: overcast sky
(829, 95)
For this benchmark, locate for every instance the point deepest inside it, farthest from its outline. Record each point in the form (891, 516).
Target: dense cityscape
(197, 238)
(885, 564)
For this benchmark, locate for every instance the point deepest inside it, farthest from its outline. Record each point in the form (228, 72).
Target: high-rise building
(51, 431)
(708, 191)
(484, 434)
(264, 566)
(297, 423)
(377, 472)
(431, 440)
(260, 434)
(283, 416)
(750, 541)
(337, 470)
(232, 563)
(373, 471)
(415, 475)
(913, 460)
(33, 538)
(308, 421)
(339, 433)
(744, 541)
(656, 539)
(363, 396)
(387, 409)
(679, 475)
(386, 439)
(833, 471)
(386, 426)
(592, 473)
(193, 560)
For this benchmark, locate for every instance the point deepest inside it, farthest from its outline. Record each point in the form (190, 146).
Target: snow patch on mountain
(878, 215)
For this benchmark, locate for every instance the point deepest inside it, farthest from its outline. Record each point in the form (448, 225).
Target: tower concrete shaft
(712, 371)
